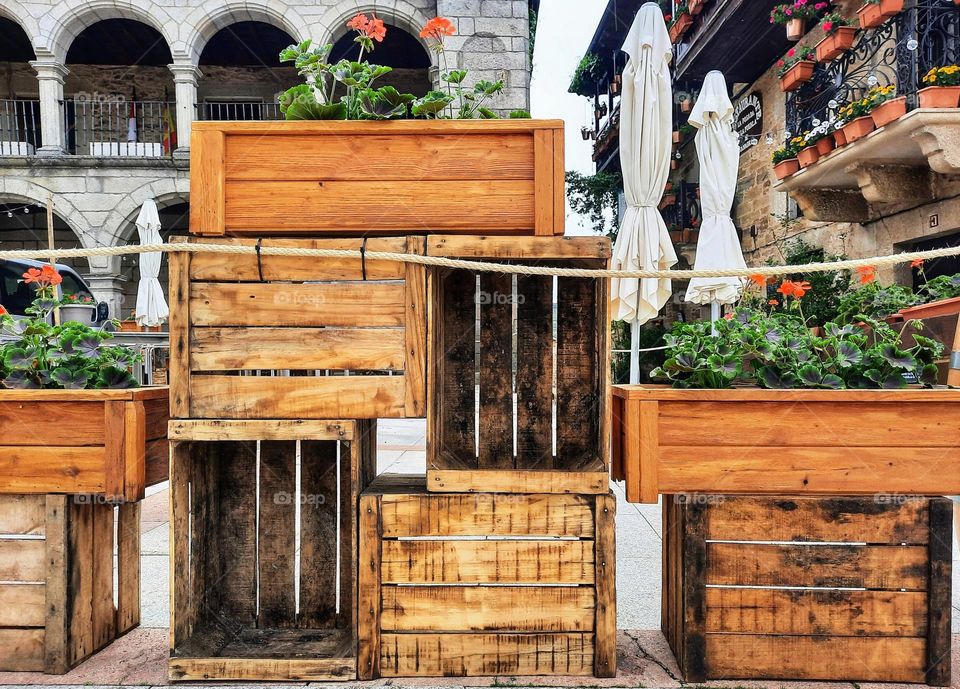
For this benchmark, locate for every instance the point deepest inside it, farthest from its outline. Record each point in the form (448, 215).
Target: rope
(480, 266)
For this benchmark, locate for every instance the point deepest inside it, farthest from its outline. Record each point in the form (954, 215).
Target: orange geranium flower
(42, 276)
(359, 23)
(759, 280)
(774, 302)
(371, 27)
(786, 288)
(3, 311)
(437, 28)
(866, 274)
(916, 263)
(800, 289)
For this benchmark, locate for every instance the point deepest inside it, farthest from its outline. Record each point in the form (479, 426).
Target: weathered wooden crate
(57, 568)
(807, 588)
(534, 596)
(315, 178)
(255, 594)
(817, 442)
(106, 443)
(277, 338)
(518, 391)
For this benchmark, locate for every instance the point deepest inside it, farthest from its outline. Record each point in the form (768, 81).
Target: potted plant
(78, 308)
(795, 68)
(839, 138)
(685, 102)
(794, 16)
(676, 233)
(681, 21)
(840, 36)
(785, 161)
(856, 115)
(887, 107)
(942, 88)
(67, 392)
(938, 297)
(808, 154)
(874, 12)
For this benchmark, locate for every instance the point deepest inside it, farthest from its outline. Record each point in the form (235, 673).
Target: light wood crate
(257, 596)
(436, 600)
(807, 588)
(57, 568)
(280, 347)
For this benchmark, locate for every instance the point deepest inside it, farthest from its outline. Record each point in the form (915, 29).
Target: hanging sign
(748, 119)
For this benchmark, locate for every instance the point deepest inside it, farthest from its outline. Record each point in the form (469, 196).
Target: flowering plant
(793, 56)
(832, 21)
(38, 354)
(681, 9)
(788, 150)
(943, 76)
(798, 9)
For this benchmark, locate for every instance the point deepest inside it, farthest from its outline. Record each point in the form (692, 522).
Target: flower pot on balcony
(797, 75)
(858, 128)
(839, 138)
(680, 26)
(79, 313)
(870, 16)
(686, 105)
(690, 236)
(674, 164)
(836, 44)
(825, 145)
(796, 28)
(939, 96)
(808, 156)
(889, 111)
(785, 168)
(678, 137)
(676, 236)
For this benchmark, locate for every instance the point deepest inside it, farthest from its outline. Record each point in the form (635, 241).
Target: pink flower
(828, 26)
(788, 11)
(791, 52)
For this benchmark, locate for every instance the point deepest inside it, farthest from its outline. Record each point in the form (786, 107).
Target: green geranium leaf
(116, 378)
(71, 380)
(848, 354)
(810, 376)
(832, 380)
(893, 381)
(898, 358)
(20, 380)
(520, 115)
(20, 358)
(455, 76)
(431, 104)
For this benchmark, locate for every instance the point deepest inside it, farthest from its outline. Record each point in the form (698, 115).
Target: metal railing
(238, 110)
(120, 128)
(900, 51)
(19, 126)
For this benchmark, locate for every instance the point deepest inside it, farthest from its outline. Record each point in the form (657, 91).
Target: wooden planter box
(316, 338)
(234, 613)
(747, 440)
(56, 563)
(325, 177)
(534, 596)
(804, 588)
(106, 443)
(560, 381)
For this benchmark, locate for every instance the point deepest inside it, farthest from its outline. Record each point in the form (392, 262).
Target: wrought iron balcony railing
(900, 51)
(238, 110)
(120, 128)
(19, 126)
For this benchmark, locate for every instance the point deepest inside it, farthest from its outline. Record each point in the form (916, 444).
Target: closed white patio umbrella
(151, 306)
(645, 143)
(719, 154)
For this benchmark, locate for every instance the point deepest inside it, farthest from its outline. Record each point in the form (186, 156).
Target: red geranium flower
(437, 28)
(916, 263)
(866, 274)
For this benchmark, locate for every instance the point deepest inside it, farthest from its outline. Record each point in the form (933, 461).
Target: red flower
(828, 26)
(3, 311)
(359, 23)
(866, 274)
(917, 263)
(791, 52)
(43, 277)
(437, 28)
(728, 316)
(800, 289)
(786, 288)
(371, 28)
(774, 302)
(32, 275)
(759, 280)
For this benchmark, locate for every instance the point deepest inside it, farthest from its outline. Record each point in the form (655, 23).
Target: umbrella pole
(634, 353)
(714, 316)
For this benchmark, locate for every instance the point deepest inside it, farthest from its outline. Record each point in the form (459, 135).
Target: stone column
(106, 282)
(185, 77)
(50, 76)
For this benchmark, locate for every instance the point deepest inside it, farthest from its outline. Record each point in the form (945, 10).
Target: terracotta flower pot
(686, 105)
(674, 164)
(939, 96)
(678, 137)
(870, 16)
(680, 27)
(690, 236)
(890, 8)
(797, 75)
(858, 128)
(676, 236)
(889, 111)
(825, 145)
(808, 156)
(796, 28)
(785, 168)
(836, 44)
(130, 327)
(944, 307)
(839, 138)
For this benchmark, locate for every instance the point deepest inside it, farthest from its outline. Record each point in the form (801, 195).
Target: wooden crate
(542, 374)
(747, 440)
(255, 595)
(806, 588)
(315, 178)
(107, 443)
(56, 564)
(280, 347)
(534, 596)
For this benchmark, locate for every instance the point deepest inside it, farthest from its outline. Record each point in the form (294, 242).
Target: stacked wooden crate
(281, 364)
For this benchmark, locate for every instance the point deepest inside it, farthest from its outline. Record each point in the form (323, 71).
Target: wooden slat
(157, 460)
(52, 470)
(488, 608)
(178, 370)
(104, 613)
(486, 246)
(260, 429)
(80, 583)
(559, 183)
(22, 605)
(617, 460)
(455, 356)
(276, 543)
(458, 655)
(241, 397)
(92, 395)
(207, 150)
(649, 451)
(128, 566)
(158, 415)
(543, 180)
(495, 366)
(374, 304)
(502, 562)
(115, 449)
(813, 470)
(939, 589)
(264, 128)
(22, 650)
(534, 372)
(225, 349)
(368, 589)
(244, 268)
(261, 669)
(693, 569)
(183, 608)
(811, 612)
(57, 607)
(23, 560)
(22, 514)
(740, 395)
(78, 423)
(134, 450)
(318, 534)
(493, 206)
(381, 157)
(233, 516)
(605, 560)
(415, 331)
(493, 480)
(746, 656)
(856, 520)
(631, 449)
(876, 567)
(486, 514)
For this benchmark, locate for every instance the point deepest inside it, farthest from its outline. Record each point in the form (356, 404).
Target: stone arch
(399, 13)
(15, 12)
(22, 190)
(83, 14)
(202, 24)
(119, 226)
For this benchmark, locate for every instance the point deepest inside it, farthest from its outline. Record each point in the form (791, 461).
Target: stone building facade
(64, 115)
